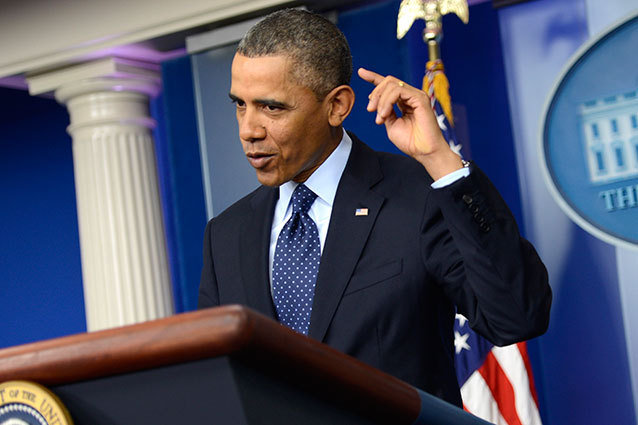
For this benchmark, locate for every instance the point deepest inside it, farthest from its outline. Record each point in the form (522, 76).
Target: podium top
(233, 331)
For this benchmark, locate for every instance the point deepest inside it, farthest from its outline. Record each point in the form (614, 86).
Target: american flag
(496, 382)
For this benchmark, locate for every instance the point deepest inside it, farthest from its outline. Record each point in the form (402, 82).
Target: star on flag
(462, 320)
(460, 342)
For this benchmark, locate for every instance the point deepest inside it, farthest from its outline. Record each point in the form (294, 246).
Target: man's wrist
(441, 164)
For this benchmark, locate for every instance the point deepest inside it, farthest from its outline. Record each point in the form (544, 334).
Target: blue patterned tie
(296, 263)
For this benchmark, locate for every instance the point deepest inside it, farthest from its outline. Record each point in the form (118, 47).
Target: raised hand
(416, 132)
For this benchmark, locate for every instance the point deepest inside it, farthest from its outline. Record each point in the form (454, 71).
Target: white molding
(105, 67)
(37, 36)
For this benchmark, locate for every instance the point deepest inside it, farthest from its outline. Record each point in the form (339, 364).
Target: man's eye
(272, 108)
(238, 103)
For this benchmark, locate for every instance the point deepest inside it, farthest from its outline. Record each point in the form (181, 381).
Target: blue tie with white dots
(296, 263)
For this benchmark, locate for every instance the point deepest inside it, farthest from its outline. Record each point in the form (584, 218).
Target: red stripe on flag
(501, 388)
(522, 347)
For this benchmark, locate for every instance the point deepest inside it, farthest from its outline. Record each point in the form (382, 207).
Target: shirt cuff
(448, 179)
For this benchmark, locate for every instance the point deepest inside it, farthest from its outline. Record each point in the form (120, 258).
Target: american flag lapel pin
(361, 212)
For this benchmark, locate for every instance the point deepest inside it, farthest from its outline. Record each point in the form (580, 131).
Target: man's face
(283, 128)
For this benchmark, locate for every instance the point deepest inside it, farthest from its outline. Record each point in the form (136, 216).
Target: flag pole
(435, 82)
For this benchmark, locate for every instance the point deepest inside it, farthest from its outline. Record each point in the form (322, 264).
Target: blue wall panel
(585, 370)
(180, 179)
(40, 274)
(370, 33)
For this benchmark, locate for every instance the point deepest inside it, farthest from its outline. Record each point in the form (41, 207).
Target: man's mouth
(258, 160)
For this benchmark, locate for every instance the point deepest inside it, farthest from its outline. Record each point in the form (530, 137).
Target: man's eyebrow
(264, 102)
(272, 102)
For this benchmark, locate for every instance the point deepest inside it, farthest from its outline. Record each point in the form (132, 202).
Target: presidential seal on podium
(27, 403)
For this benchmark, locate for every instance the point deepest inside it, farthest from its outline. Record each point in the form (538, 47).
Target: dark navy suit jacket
(388, 281)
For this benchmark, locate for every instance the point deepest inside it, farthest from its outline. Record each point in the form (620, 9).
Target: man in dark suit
(395, 242)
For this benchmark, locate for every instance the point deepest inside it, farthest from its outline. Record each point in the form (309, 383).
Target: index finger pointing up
(370, 76)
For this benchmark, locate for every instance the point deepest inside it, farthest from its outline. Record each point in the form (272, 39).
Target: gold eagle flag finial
(431, 11)
(435, 83)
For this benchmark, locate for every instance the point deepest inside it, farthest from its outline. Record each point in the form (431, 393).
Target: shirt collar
(324, 181)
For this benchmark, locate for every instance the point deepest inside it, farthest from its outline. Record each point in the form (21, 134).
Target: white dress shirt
(323, 182)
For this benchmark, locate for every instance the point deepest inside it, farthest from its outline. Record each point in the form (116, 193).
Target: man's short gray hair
(319, 50)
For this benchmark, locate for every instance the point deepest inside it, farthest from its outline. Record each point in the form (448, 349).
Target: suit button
(485, 227)
(467, 199)
(479, 218)
(474, 208)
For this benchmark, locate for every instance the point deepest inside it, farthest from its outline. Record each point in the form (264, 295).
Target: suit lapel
(255, 245)
(347, 234)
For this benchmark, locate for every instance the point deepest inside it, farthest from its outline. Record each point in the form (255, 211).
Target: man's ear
(340, 101)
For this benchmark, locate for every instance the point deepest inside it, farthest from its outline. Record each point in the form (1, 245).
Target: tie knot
(302, 199)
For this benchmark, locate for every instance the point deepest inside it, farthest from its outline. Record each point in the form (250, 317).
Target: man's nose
(250, 126)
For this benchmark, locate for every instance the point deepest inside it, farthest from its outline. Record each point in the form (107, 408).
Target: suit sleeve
(208, 293)
(472, 245)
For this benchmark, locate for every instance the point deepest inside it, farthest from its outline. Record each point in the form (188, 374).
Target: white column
(124, 260)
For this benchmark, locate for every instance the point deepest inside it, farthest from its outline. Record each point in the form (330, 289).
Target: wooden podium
(227, 365)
